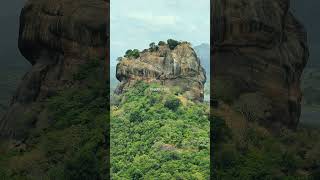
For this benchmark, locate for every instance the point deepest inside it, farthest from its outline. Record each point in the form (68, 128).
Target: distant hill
(203, 52)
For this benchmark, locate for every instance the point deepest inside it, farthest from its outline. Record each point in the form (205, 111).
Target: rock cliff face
(56, 37)
(178, 67)
(260, 50)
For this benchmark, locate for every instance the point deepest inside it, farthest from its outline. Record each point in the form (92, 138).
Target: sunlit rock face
(56, 37)
(179, 67)
(259, 48)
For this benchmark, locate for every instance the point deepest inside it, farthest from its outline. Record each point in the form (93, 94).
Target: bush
(172, 43)
(83, 166)
(153, 47)
(172, 103)
(161, 43)
(132, 53)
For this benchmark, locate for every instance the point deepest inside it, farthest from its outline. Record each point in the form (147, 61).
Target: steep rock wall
(260, 50)
(177, 67)
(56, 37)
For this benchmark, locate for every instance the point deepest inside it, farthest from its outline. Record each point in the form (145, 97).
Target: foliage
(132, 53)
(74, 145)
(153, 47)
(172, 103)
(161, 43)
(83, 166)
(154, 136)
(172, 43)
(259, 154)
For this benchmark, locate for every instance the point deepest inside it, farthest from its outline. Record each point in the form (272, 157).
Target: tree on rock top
(172, 43)
(132, 53)
(161, 43)
(153, 47)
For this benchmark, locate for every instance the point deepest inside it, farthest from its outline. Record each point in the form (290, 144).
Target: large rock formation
(56, 37)
(260, 51)
(177, 67)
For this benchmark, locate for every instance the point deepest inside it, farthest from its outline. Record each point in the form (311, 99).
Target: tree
(82, 166)
(153, 47)
(161, 43)
(128, 52)
(172, 43)
(135, 53)
(132, 53)
(172, 103)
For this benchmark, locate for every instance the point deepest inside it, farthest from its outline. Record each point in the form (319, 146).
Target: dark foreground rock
(260, 51)
(56, 37)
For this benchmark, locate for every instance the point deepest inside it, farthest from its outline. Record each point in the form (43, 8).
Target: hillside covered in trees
(159, 135)
(159, 122)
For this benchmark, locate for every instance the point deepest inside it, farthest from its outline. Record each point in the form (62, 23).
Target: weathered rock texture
(178, 67)
(260, 49)
(56, 37)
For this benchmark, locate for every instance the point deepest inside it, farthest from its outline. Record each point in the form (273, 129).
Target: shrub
(83, 166)
(172, 103)
(172, 43)
(153, 47)
(161, 43)
(128, 52)
(132, 53)
(135, 116)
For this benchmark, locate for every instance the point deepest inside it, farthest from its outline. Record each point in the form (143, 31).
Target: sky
(308, 13)
(135, 24)
(12, 64)
(10, 56)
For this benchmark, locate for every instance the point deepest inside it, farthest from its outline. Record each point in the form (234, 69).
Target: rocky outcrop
(56, 37)
(177, 67)
(260, 50)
